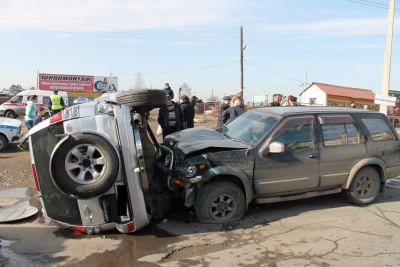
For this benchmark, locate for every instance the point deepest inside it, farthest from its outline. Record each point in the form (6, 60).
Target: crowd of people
(174, 117)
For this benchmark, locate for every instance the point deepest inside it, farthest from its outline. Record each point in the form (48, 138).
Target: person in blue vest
(56, 103)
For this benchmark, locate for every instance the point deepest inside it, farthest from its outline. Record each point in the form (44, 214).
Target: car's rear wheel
(220, 202)
(11, 114)
(3, 142)
(142, 99)
(365, 187)
(86, 165)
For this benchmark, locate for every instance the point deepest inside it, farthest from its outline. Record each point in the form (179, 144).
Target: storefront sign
(66, 82)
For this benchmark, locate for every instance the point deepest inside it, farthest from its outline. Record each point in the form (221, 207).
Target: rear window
(339, 130)
(378, 130)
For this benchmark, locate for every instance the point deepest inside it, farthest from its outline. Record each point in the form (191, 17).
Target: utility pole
(388, 56)
(241, 57)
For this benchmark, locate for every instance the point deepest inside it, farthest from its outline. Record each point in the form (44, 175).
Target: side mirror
(274, 147)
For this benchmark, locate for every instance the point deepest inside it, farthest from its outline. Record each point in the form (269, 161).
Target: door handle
(314, 155)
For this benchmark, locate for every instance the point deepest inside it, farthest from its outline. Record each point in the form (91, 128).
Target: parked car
(16, 106)
(278, 154)
(80, 100)
(94, 164)
(10, 130)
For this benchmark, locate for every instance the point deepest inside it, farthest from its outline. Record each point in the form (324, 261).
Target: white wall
(313, 92)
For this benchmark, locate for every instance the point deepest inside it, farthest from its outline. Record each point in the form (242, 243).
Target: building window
(313, 101)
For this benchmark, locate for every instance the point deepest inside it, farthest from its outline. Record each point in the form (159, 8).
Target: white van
(16, 106)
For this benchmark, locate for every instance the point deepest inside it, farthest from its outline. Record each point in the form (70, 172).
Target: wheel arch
(231, 174)
(375, 163)
(5, 136)
(11, 110)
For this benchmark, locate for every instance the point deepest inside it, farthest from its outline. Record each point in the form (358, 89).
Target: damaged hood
(200, 138)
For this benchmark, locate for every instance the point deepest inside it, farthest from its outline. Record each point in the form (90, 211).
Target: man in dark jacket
(188, 112)
(170, 117)
(234, 111)
(169, 91)
(224, 106)
(277, 100)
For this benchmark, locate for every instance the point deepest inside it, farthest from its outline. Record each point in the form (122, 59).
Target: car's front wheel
(3, 142)
(220, 202)
(11, 114)
(365, 187)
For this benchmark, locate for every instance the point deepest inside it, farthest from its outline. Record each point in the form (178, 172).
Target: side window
(46, 100)
(295, 133)
(17, 99)
(339, 130)
(378, 130)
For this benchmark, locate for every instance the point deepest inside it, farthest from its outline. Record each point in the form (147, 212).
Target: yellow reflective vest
(55, 102)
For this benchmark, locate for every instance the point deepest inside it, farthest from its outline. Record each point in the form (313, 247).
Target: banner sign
(66, 82)
(259, 99)
(385, 100)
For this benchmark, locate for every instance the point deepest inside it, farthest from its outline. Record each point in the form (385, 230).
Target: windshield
(250, 127)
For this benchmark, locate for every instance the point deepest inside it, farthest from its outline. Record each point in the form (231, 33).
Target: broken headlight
(191, 171)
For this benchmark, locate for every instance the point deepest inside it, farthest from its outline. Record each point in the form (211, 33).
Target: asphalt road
(323, 231)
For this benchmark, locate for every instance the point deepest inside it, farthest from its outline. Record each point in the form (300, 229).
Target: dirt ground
(15, 164)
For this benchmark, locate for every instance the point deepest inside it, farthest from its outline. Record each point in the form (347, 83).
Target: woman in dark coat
(188, 112)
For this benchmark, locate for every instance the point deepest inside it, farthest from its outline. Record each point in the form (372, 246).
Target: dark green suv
(277, 154)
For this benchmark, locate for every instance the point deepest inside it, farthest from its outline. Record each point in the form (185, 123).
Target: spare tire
(85, 166)
(142, 99)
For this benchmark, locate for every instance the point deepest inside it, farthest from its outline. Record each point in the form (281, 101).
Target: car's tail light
(56, 118)
(79, 229)
(131, 227)
(68, 113)
(35, 177)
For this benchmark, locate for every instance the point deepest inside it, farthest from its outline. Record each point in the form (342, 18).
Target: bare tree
(139, 84)
(185, 90)
(13, 90)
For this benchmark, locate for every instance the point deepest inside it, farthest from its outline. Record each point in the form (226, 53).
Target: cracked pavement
(322, 231)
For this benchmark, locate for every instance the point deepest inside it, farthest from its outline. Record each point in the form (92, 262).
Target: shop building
(321, 94)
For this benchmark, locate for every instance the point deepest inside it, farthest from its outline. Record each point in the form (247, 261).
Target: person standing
(170, 117)
(277, 98)
(188, 112)
(56, 103)
(239, 95)
(292, 101)
(169, 91)
(36, 120)
(352, 104)
(231, 113)
(224, 106)
(30, 111)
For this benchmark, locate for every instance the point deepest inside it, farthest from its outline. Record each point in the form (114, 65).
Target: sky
(289, 43)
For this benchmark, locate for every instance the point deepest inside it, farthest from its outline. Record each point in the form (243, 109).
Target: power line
(273, 72)
(368, 4)
(200, 68)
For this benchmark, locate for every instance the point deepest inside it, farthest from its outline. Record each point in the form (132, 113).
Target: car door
(296, 168)
(341, 148)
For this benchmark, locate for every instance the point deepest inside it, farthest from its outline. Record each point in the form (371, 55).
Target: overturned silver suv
(97, 166)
